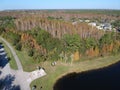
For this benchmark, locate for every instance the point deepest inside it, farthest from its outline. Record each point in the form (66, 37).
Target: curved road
(23, 79)
(14, 54)
(20, 76)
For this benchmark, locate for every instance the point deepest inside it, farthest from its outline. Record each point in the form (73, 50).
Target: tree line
(42, 46)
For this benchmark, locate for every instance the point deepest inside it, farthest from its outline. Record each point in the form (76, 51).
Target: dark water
(101, 79)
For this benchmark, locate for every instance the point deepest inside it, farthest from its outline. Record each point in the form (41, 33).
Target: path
(14, 54)
(23, 79)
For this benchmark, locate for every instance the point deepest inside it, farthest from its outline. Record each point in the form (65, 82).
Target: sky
(59, 4)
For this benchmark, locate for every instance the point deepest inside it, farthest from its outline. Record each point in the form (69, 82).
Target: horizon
(58, 9)
(52, 4)
(61, 9)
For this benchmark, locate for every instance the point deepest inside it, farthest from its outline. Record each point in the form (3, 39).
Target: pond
(101, 79)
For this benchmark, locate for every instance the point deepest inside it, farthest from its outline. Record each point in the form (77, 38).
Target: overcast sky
(59, 4)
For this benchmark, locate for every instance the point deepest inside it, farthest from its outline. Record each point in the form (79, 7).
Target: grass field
(27, 62)
(12, 61)
(53, 73)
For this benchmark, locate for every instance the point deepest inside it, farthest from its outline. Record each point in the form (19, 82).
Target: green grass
(54, 73)
(12, 61)
(27, 62)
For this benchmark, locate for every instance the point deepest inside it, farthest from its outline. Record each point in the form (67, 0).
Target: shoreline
(97, 68)
(62, 69)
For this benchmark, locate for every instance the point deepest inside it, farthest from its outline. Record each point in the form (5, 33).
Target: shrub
(30, 52)
(18, 46)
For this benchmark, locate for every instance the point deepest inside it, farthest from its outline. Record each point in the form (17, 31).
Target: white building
(81, 20)
(87, 21)
(92, 24)
(104, 26)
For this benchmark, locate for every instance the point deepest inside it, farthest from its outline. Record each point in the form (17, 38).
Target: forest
(52, 36)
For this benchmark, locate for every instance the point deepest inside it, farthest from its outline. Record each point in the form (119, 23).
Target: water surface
(101, 79)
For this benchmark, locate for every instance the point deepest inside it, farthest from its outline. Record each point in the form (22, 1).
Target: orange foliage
(29, 41)
(93, 52)
(107, 49)
(76, 56)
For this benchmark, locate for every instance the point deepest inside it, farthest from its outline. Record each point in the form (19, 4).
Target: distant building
(81, 20)
(92, 24)
(104, 26)
(87, 21)
(107, 26)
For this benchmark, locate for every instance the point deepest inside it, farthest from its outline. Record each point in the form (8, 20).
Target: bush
(2, 30)
(18, 46)
(30, 52)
